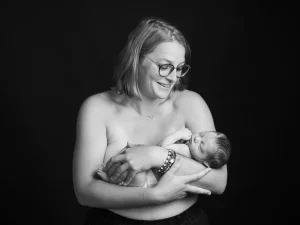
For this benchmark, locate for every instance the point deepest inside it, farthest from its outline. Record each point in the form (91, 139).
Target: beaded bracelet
(168, 163)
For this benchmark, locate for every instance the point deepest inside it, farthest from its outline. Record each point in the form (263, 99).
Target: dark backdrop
(243, 61)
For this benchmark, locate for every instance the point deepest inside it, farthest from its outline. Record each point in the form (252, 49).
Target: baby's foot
(101, 173)
(104, 176)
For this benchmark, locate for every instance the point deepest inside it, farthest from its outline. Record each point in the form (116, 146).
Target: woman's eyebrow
(169, 61)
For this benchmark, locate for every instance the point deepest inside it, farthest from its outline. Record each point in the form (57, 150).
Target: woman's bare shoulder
(98, 104)
(187, 97)
(195, 110)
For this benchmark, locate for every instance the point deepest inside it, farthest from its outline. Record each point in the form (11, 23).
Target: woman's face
(151, 84)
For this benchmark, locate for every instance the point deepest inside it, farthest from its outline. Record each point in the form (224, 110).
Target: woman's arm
(91, 144)
(90, 147)
(215, 180)
(198, 119)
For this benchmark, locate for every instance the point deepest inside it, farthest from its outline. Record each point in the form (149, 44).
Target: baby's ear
(205, 164)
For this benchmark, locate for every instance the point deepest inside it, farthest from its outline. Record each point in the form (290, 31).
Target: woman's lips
(164, 85)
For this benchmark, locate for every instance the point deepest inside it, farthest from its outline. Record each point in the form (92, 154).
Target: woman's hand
(123, 167)
(171, 187)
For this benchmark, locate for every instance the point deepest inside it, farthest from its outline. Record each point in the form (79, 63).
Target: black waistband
(192, 215)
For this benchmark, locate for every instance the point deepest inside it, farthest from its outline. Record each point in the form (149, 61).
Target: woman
(148, 102)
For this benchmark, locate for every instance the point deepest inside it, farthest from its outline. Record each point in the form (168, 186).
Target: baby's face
(201, 144)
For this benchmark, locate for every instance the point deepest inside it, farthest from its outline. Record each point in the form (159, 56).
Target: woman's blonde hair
(149, 33)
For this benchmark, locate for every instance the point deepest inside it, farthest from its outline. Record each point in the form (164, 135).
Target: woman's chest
(139, 130)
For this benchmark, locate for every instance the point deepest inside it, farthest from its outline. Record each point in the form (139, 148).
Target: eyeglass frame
(161, 65)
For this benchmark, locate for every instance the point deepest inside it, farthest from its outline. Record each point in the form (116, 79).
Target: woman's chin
(162, 94)
(163, 97)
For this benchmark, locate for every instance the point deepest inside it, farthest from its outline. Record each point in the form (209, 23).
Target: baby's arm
(181, 149)
(182, 133)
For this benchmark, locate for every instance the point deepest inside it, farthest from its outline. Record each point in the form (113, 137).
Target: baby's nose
(197, 139)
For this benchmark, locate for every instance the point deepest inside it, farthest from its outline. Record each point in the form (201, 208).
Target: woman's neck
(146, 107)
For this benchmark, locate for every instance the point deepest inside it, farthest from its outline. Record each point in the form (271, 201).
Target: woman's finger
(121, 178)
(114, 159)
(131, 174)
(112, 169)
(197, 190)
(123, 150)
(119, 171)
(196, 176)
(182, 195)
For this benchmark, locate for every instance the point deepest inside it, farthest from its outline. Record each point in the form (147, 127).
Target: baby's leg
(139, 179)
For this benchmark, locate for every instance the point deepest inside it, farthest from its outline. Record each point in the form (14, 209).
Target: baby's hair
(222, 151)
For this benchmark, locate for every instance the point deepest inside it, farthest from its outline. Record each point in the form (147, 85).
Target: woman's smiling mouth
(164, 85)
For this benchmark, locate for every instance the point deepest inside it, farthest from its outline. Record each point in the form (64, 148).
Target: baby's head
(210, 147)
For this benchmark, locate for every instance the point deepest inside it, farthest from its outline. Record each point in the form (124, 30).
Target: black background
(243, 64)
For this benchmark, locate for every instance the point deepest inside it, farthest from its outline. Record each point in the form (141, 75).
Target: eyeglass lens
(165, 70)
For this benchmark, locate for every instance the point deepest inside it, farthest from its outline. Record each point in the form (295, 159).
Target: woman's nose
(172, 76)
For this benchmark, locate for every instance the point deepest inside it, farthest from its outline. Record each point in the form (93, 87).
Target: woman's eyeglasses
(166, 69)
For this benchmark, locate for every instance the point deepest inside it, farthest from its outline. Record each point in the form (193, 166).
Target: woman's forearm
(155, 156)
(215, 180)
(100, 194)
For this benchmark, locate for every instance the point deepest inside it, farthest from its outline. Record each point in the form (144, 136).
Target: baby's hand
(185, 133)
